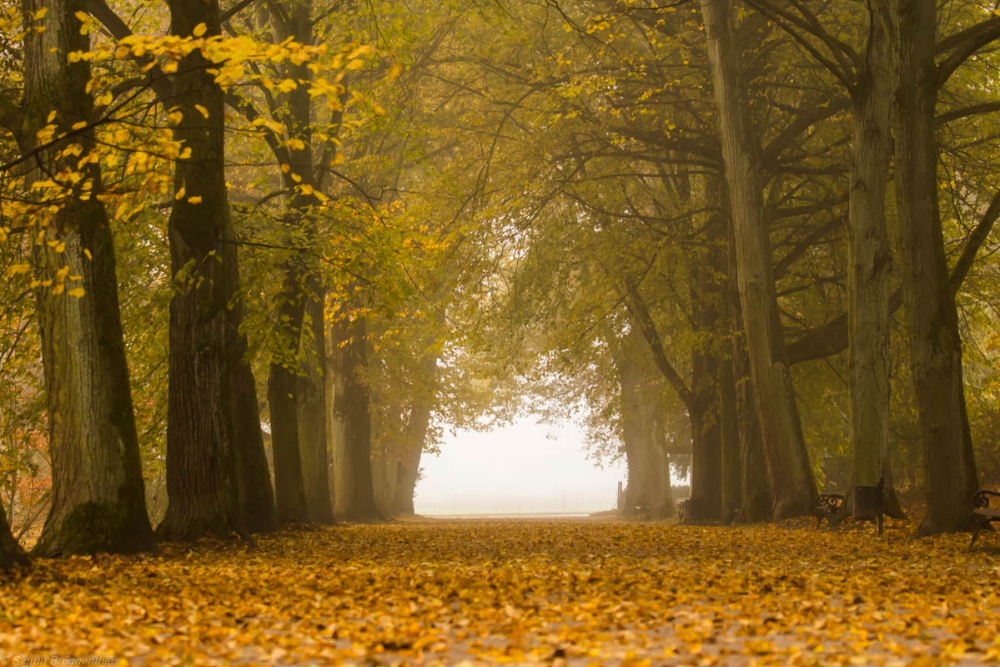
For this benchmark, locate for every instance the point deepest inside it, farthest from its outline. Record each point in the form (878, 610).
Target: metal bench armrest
(983, 496)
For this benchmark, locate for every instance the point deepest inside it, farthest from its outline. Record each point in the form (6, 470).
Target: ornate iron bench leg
(978, 523)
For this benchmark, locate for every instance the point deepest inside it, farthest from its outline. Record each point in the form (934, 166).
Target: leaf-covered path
(523, 592)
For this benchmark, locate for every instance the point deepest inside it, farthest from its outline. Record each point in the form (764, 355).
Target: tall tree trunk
(931, 317)
(636, 453)
(354, 495)
(643, 434)
(661, 501)
(415, 436)
(255, 491)
(757, 503)
(792, 480)
(756, 499)
(408, 460)
(869, 256)
(11, 553)
(98, 498)
(407, 474)
(705, 504)
(312, 413)
(202, 464)
(707, 272)
(283, 399)
(293, 21)
(384, 471)
(729, 428)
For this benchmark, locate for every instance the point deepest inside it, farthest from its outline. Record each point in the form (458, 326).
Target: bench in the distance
(827, 505)
(984, 513)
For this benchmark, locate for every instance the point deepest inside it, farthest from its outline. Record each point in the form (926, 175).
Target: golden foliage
(523, 592)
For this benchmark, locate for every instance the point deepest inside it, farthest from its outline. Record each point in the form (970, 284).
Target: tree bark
(98, 497)
(791, 476)
(931, 317)
(202, 463)
(707, 273)
(869, 257)
(407, 474)
(415, 435)
(11, 553)
(756, 500)
(312, 415)
(643, 434)
(729, 429)
(354, 497)
(255, 489)
(408, 460)
(283, 399)
(293, 21)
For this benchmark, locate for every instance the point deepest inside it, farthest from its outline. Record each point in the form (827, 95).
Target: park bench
(982, 514)
(827, 505)
(682, 510)
(868, 505)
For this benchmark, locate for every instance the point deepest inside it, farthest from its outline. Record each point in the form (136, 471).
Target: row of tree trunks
(931, 318)
(98, 499)
(292, 21)
(790, 473)
(297, 381)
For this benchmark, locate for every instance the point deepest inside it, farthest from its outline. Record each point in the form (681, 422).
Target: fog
(524, 468)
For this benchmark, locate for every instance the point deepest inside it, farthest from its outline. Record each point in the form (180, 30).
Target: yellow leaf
(199, 30)
(78, 292)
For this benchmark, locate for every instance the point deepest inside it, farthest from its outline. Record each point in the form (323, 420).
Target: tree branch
(802, 122)
(973, 244)
(641, 317)
(963, 44)
(965, 112)
(154, 78)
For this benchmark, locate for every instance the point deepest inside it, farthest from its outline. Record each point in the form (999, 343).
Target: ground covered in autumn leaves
(552, 592)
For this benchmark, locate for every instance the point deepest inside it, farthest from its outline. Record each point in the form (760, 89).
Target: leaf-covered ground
(576, 592)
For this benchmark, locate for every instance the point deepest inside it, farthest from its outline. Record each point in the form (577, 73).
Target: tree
(98, 500)
(789, 469)
(868, 79)
(931, 318)
(202, 446)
